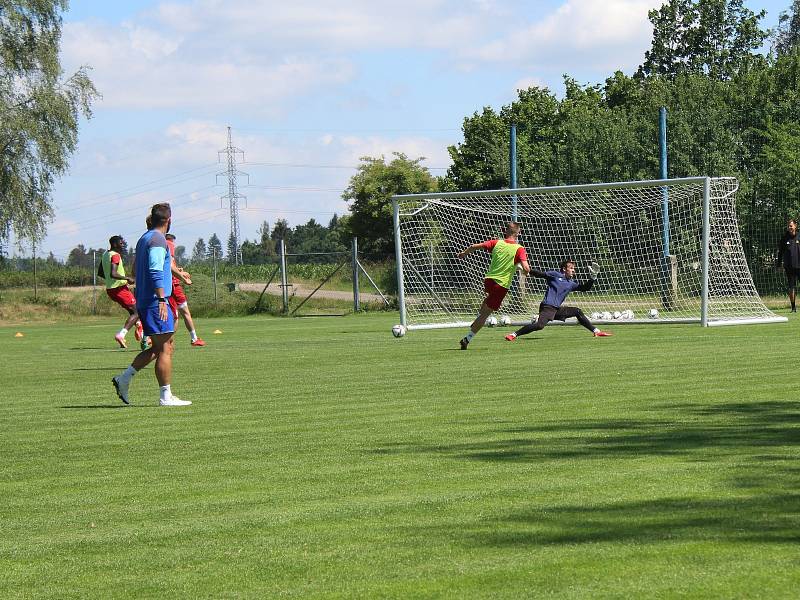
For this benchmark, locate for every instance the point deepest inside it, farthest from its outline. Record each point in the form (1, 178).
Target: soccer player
(559, 285)
(113, 271)
(153, 287)
(506, 255)
(177, 300)
(789, 256)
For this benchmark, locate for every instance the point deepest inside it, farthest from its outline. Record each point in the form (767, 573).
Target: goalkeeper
(506, 254)
(559, 285)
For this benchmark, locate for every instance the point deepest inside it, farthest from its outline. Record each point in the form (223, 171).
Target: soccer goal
(669, 250)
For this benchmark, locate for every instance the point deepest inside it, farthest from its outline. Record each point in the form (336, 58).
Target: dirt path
(274, 289)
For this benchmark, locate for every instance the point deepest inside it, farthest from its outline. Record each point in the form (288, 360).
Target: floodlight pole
(94, 282)
(512, 159)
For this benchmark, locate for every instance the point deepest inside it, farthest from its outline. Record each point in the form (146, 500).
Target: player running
(112, 270)
(559, 285)
(506, 255)
(177, 301)
(153, 287)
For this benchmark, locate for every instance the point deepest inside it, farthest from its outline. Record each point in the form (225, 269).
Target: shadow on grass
(96, 369)
(756, 501)
(771, 518)
(96, 406)
(724, 428)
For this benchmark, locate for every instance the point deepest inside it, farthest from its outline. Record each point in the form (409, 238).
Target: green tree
(718, 38)
(282, 231)
(214, 250)
(180, 254)
(370, 195)
(200, 252)
(232, 251)
(786, 37)
(39, 113)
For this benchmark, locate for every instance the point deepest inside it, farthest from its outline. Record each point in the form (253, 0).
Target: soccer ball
(596, 316)
(627, 314)
(398, 331)
(653, 314)
(491, 321)
(617, 315)
(606, 316)
(505, 320)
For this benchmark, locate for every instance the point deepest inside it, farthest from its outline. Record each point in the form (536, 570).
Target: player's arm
(115, 274)
(594, 271)
(180, 273)
(538, 273)
(471, 249)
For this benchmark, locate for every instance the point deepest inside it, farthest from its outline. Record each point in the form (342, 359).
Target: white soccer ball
(606, 316)
(398, 331)
(617, 315)
(653, 314)
(596, 316)
(491, 321)
(627, 314)
(505, 320)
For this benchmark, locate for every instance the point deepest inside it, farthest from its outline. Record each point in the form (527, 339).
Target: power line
(313, 166)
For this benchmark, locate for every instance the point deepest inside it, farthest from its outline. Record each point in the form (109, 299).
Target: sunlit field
(322, 457)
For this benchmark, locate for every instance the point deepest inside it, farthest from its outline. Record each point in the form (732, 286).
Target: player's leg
(123, 296)
(567, 312)
(494, 298)
(791, 280)
(187, 320)
(546, 314)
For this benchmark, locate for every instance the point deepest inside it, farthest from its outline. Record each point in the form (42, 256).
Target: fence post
(94, 282)
(356, 291)
(284, 282)
(214, 258)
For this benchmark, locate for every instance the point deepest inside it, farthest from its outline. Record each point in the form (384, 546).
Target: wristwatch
(162, 299)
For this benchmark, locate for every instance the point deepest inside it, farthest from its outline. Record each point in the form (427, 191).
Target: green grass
(323, 458)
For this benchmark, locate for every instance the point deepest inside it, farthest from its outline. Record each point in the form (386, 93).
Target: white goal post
(669, 250)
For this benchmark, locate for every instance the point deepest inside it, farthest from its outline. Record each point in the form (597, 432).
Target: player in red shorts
(113, 271)
(177, 300)
(506, 255)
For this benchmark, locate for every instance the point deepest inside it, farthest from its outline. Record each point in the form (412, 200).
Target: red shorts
(178, 293)
(122, 295)
(494, 293)
(173, 306)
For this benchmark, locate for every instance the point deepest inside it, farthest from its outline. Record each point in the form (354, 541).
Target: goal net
(669, 250)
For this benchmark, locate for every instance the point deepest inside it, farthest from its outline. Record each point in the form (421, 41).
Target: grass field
(323, 458)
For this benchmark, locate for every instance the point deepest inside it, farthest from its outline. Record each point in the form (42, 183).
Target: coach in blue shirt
(153, 287)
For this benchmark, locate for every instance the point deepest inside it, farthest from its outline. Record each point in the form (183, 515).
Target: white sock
(128, 373)
(513, 334)
(165, 392)
(470, 335)
(123, 332)
(193, 335)
(595, 330)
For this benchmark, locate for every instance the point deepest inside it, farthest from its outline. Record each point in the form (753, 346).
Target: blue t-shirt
(558, 286)
(153, 268)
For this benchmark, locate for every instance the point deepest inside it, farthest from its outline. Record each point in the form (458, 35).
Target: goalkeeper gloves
(594, 270)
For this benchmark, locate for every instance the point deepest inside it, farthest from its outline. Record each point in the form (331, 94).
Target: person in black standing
(789, 256)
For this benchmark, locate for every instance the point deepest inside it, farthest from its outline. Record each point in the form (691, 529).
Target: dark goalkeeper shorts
(549, 313)
(791, 276)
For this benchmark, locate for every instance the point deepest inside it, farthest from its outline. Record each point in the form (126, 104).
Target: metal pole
(398, 253)
(356, 291)
(706, 251)
(94, 282)
(513, 166)
(214, 258)
(35, 286)
(284, 282)
(662, 143)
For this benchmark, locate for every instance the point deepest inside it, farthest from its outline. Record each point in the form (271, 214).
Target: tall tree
(200, 252)
(718, 38)
(214, 250)
(786, 37)
(231, 249)
(39, 113)
(370, 195)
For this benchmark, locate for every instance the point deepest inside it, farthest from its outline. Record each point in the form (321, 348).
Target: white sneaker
(174, 401)
(121, 385)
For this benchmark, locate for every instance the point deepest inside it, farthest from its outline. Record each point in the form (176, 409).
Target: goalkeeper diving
(559, 285)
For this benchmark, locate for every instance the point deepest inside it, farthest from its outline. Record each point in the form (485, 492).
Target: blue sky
(307, 87)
